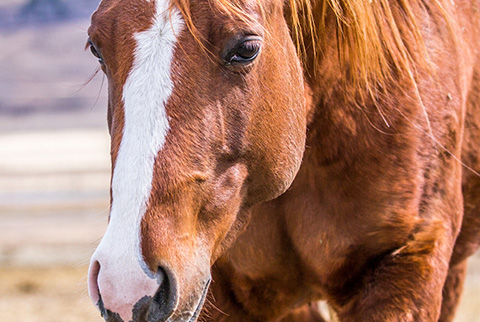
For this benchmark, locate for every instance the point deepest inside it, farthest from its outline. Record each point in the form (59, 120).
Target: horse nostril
(165, 299)
(95, 295)
(93, 290)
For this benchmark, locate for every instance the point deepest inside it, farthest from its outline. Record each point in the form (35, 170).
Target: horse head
(207, 117)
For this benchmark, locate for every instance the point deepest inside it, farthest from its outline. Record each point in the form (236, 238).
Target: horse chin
(191, 315)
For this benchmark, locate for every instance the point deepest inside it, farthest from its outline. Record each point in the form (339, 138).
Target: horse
(267, 155)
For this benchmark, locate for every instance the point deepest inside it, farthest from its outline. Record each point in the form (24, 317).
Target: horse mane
(377, 40)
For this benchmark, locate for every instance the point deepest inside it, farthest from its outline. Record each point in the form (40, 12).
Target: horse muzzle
(134, 295)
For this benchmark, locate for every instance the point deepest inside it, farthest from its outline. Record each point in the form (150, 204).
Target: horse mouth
(142, 315)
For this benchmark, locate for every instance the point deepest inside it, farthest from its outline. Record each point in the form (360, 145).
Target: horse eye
(95, 52)
(244, 52)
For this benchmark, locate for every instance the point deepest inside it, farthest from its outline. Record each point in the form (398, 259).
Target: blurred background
(55, 168)
(54, 160)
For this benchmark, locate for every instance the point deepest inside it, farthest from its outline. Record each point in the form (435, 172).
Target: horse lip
(107, 314)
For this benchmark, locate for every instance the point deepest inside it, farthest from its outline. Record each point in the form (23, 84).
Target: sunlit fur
(340, 165)
(377, 39)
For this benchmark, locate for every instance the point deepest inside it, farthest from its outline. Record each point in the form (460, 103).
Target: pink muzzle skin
(122, 290)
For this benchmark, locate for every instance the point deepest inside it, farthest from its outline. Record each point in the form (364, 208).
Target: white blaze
(123, 279)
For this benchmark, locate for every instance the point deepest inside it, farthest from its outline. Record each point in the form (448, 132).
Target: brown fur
(386, 96)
